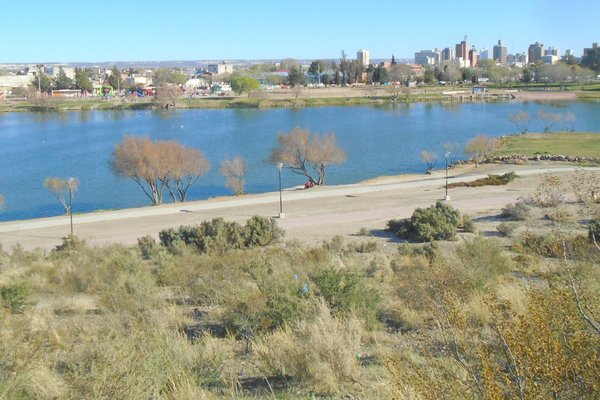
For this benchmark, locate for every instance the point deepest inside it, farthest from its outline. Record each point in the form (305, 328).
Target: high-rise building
(461, 49)
(484, 54)
(363, 56)
(448, 54)
(588, 50)
(536, 52)
(551, 51)
(473, 57)
(500, 53)
(428, 57)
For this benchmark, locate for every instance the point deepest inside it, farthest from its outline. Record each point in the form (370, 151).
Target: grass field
(585, 144)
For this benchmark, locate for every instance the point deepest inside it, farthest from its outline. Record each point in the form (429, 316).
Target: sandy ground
(311, 216)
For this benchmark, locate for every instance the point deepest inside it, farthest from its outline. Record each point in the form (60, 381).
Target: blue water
(378, 140)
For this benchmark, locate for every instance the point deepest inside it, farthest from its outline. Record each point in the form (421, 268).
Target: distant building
(462, 53)
(588, 50)
(363, 56)
(551, 51)
(473, 58)
(500, 53)
(535, 52)
(219, 69)
(428, 57)
(518, 59)
(569, 53)
(549, 59)
(484, 54)
(448, 54)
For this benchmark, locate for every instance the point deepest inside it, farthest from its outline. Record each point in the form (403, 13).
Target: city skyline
(266, 29)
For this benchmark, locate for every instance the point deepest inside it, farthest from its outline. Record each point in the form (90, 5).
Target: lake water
(378, 140)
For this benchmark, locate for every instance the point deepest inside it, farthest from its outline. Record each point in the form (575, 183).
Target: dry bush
(549, 192)
(586, 185)
(506, 228)
(519, 211)
(321, 355)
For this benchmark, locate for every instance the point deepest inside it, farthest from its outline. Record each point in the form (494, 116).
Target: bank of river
(383, 139)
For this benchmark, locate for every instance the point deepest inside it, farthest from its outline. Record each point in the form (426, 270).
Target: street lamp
(70, 187)
(281, 214)
(446, 155)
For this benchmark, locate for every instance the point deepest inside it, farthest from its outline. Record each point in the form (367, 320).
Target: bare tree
(480, 147)
(568, 121)
(549, 119)
(306, 155)
(1, 202)
(429, 157)
(521, 120)
(235, 172)
(156, 165)
(63, 190)
(167, 94)
(184, 166)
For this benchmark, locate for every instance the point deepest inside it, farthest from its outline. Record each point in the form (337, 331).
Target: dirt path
(310, 215)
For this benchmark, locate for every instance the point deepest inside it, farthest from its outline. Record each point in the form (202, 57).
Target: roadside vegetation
(582, 144)
(224, 310)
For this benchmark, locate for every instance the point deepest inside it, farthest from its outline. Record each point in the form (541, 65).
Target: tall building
(484, 54)
(461, 49)
(588, 50)
(473, 57)
(428, 57)
(448, 54)
(536, 52)
(551, 51)
(500, 53)
(363, 56)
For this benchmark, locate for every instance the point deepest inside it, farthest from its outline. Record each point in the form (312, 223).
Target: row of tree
(169, 166)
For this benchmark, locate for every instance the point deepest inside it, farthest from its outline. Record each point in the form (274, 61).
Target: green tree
(316, 67)
(164, 76)
(527, 75)
(243, 84)
(591, 59)
(41, 81)
(114, 79)
(295, 77)
(82, 80)
(62, 81)
(429, 75)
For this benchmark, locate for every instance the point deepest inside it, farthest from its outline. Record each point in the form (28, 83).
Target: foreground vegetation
(221, 310)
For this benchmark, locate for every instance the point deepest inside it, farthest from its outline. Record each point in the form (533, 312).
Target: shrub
(516, 212)
(468, 225)
(594, 230)
(549, 192)
(506, 228)
(147, 246)
(322, 355)
(219, 236)
(14, 297)
(261, 231)
(437, 222)
(491, 180)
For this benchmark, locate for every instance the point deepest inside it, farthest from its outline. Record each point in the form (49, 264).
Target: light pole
(70, 183)
(447, 154)
(281, 214)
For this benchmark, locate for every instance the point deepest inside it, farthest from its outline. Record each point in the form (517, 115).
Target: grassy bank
(582, 144)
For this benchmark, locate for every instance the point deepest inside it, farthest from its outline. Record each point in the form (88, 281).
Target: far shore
(311, 215)
(306, 97)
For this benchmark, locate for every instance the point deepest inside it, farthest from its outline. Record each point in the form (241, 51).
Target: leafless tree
(1, 202)
(235, 172)
(521, 120)
(568, 121)
(167, 94)
(480, 147)
(183, 166)
(429, 157)
(549, 119)
(63, 190)
(157, 165)
(306, 155)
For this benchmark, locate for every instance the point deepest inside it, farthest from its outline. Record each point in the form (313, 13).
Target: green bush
(516, 212)
(491, 180)
(506, 228)
(261, 231)
(437, 222)
(14, 297)
(594, 229)
(219, 236)
(468, 225)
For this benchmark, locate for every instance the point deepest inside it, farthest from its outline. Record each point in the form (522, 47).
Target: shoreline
(311, 215)
(339, 97)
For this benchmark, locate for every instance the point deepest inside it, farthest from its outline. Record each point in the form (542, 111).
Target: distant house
(219, 69)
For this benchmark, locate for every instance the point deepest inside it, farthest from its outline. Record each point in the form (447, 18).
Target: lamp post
(70, 183)
(447, 154)
(281, 214)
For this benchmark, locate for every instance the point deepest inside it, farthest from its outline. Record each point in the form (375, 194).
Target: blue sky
(87, 31)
